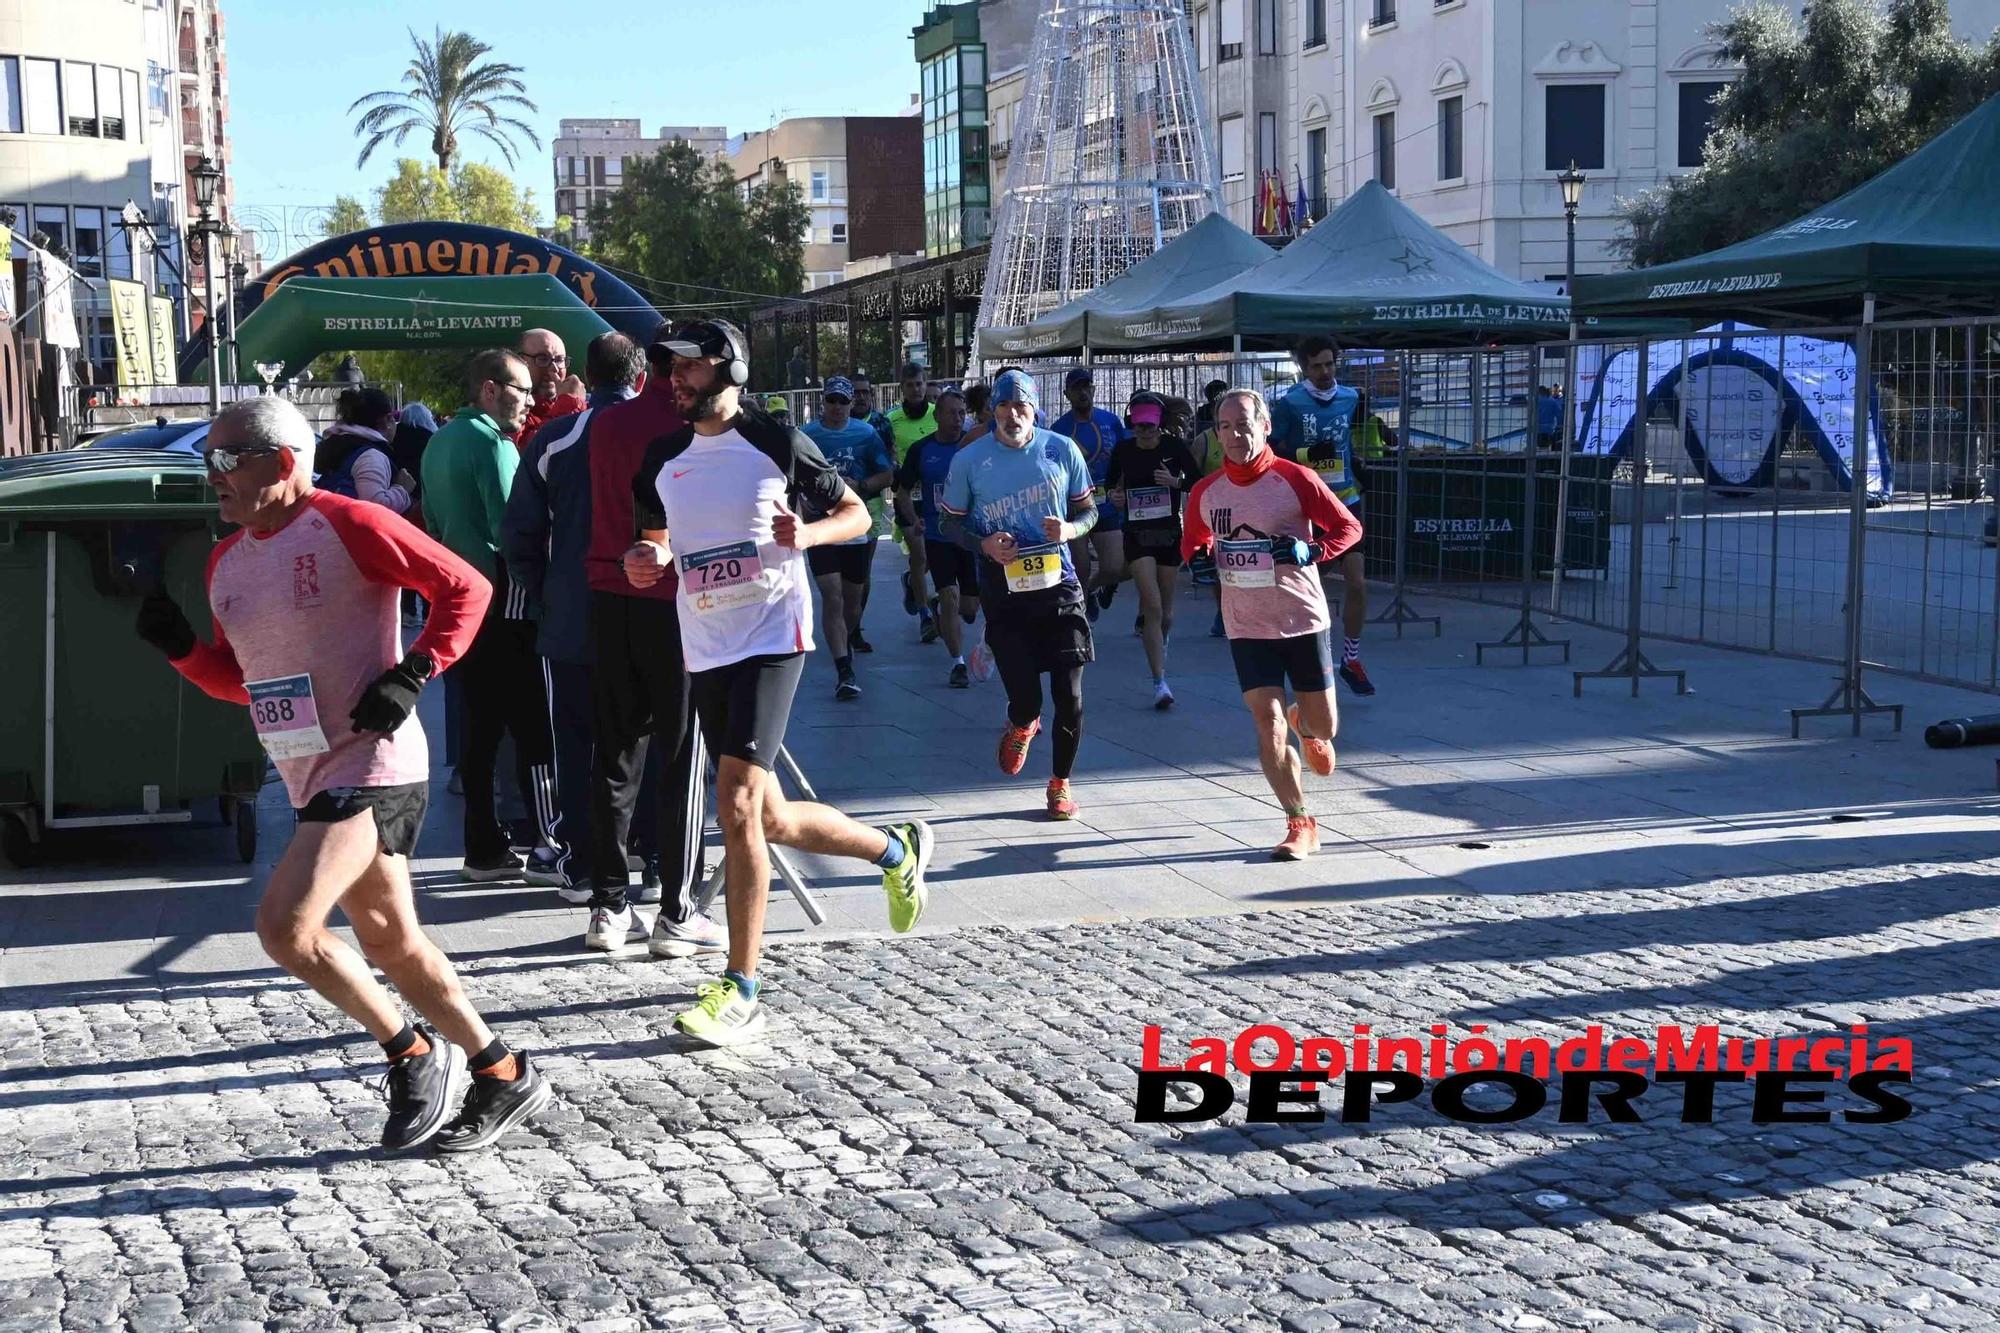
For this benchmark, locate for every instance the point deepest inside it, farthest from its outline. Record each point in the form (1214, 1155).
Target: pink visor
(1146, 414)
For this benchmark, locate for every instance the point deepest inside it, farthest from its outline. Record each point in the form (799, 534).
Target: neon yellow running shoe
(723, 1017)
(904, 882)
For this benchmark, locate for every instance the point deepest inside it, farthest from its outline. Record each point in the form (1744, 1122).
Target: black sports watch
(422, 664)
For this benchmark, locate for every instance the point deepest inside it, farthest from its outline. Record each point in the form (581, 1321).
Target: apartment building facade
(856, 174)
(590, 158)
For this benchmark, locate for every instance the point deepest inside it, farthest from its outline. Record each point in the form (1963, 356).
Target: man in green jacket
(468, 471)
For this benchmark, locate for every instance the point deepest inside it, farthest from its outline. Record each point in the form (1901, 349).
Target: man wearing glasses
(468, 471)
(557, 392)
(306, 631)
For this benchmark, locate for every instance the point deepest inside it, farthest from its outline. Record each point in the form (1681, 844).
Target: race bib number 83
(1033, 573)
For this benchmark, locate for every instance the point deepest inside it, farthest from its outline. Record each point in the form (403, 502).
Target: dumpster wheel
(17, 844)
(245, 813)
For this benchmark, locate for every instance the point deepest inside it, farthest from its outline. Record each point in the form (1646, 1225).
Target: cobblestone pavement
(940, 1133)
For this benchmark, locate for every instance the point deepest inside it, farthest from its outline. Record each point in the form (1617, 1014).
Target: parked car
(180, 437)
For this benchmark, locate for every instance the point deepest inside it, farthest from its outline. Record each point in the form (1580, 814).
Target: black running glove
(1290, 551)
(387, 701)
(161, 624)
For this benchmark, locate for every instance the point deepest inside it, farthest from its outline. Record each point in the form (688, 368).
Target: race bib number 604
(1246, 564)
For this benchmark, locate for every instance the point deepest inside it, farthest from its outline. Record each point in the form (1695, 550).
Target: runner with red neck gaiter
(1268, 521)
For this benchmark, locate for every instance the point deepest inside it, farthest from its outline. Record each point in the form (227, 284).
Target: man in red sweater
(639, 691)
(304, 597)
(557, 392)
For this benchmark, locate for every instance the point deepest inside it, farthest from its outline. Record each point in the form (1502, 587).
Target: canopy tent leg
(1399, 612)
(1850, 698)
(1525, 635)
(1631, 663)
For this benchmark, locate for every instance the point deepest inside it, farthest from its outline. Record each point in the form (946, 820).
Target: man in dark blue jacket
(544, 535)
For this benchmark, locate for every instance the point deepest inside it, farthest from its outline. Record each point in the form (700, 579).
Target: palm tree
(447, 92)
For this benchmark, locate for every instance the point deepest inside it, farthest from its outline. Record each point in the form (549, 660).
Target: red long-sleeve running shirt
(307, 616)
(1272, 498)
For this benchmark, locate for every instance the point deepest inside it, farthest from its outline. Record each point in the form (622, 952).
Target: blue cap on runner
(839, 386)
(1015, 386)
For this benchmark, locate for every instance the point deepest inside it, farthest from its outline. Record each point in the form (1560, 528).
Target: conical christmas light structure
(1110, 157)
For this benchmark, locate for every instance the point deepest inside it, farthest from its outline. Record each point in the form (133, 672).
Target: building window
(10, 94)
(818, 185)
(1575, 126)
(41, 96)
(90, 242)
(1316, 172)
(1201, 31)
(1451, 138)
(1385, 149)
(1232, 148)
(1267, 142)
(972, 67)
(1315, 23)
(121, 251)
(1229, 29)
(110, 102)
(840, 233)
(1385, 13)
(80, 92)
(53, 222)
(1697, 116)
(1267, 27)
(135, 110)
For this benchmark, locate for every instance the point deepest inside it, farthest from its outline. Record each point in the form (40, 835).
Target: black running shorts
(1161, 544)
(952, 566)
(399, 811)
(1266, 664)
(852, 563)
(1049, 639)
(743, 707)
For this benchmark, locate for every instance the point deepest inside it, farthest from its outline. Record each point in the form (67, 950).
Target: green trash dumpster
(96, 728)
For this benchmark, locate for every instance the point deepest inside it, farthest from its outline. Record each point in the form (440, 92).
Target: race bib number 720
(722, 576)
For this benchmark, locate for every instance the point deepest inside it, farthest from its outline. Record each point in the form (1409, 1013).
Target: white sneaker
(684, 939)
(613, 928)
(1163, 698)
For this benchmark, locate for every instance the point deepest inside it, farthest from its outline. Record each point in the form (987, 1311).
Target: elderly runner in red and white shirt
(1268, 520)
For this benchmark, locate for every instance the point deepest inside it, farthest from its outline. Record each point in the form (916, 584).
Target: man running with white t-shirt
(305, 599)
(719, 498)
(1268, 519)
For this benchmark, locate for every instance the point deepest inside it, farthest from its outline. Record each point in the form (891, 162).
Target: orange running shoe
(1014, 746)
(1061, 804)
(1318, 751)
(1301, 839)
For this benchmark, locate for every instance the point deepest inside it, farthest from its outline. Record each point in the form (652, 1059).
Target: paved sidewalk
(940, 1131)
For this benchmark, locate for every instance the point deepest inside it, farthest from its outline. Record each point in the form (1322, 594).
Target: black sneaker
(420, 1091)
(961, 679)
(910, 603)
(493, 1106)
(929, 632)
(496, 869)
(848, 688)
(856, 643)
(1105, 594)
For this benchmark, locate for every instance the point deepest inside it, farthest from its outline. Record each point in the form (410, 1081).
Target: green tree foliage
(683, 226)
(1826, 101)
(347, 214)
(447, 92)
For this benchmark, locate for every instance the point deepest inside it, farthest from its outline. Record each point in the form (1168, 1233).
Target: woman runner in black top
(1149, 477)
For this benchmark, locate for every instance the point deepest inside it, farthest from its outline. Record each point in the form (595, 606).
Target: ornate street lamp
(1571, 182)
(207, 177)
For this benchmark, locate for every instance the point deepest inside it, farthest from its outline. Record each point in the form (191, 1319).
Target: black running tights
(1024, 704)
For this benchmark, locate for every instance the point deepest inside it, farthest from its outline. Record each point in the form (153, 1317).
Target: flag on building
(1267, 205)
(1302, 211)
(1287, 223)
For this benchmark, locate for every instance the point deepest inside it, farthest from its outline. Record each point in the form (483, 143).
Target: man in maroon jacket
(639, 689)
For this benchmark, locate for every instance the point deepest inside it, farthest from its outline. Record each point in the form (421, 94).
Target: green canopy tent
(1922, 239)
(1209, 252)
(307, 316)
(1372, 271)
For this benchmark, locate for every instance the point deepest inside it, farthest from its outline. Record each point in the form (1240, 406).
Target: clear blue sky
(294, 68)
